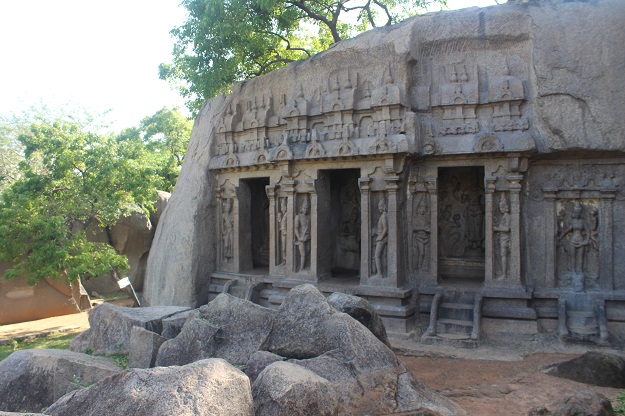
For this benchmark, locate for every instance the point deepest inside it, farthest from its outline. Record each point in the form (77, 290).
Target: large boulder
(228, 328)
(173, 324)
(585, 403)
(595, 368)
(207, 387)
(144, 347)
(110, 327)
(285, 389)
(258, 362)
(362, 311)
(31, 380)
(365, 373)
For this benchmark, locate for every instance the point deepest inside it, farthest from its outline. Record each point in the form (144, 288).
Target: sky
(101, 56)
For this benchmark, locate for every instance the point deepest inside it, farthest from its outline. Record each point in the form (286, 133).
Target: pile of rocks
(308, 357)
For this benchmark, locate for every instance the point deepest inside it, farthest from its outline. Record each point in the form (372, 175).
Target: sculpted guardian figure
(227, 229)
(282, 221)
(502, 228)
(381, 238)
(302, 233)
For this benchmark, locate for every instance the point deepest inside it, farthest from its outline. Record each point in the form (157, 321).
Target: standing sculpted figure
(282, 221)
(302, 233)
(227, 229)
(502, 228)
(381, 238)
(579, 238)
(421, 233)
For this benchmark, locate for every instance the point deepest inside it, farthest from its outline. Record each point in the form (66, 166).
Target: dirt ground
(498, 388)
(484, 382)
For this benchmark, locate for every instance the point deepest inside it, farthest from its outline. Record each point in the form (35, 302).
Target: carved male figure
(381, 238)
(502, 228)
(421, 232)
(302, 233)
(282, 221)
(227, 229)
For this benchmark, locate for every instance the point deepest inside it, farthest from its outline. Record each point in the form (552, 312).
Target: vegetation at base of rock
(619, 406)
(120, 360)
(56, 341)
(224, 42)
(72, 178)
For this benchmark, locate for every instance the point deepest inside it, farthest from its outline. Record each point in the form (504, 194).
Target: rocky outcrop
(362, 311)
(285, 389)
(594, 368)
(31, 380)
(258, 362)
(229, 327)
(361, 369)
(208, 387)
(110, 327)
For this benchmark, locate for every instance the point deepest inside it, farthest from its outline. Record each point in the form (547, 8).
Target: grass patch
(55, 341)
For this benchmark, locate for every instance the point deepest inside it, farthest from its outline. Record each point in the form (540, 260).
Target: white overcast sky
(97, 55)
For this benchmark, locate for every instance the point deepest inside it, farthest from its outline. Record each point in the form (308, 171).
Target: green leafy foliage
(222, 42)
(619, 407)
(165, 136)
(83, 179)
(55, 341)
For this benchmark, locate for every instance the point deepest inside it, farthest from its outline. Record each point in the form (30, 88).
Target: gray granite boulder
(362, 311)
(144, 347)
(258, 362)
(585, 403)
(31, 380)
(285, 389)
(173, 324)
(110, 327)
(365, 373)
(596, 368)
(228, 327)
(207, 387)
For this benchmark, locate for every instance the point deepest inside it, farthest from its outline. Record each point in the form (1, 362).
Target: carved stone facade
(422, 169)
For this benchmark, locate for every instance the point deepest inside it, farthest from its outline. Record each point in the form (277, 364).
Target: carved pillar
(274, 229)
(606, 238)
(551, 230)
(489, 252)
(431, 279)
(514, 263)
(289, 192)
(320, 232)
(365, 229)
(392, 248)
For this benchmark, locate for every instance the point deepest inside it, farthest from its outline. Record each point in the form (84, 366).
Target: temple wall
(461, 170)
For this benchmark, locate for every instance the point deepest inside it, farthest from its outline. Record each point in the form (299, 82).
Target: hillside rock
(595, 368)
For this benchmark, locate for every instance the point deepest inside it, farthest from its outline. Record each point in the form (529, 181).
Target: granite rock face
(110, 327)
(31, 380)
(207, 387)
(362, 311)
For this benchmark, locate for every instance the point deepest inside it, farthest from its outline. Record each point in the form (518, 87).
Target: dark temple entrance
(461, 224)
(255, 218)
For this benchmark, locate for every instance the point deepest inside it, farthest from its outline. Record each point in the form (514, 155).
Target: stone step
(451, 342)
(580, 314)
(454, 326)
(584, 330)
(453, 305)
(458, 311)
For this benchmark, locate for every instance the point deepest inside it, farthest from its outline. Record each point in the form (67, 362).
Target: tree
(165, 135)
(83, 179)
(222, 42)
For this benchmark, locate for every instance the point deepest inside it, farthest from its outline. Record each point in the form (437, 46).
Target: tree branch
(330, 24)
(388, 14)
(288, 43)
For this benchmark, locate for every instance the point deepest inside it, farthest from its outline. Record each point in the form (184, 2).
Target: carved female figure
(227, 229)
(381, 238)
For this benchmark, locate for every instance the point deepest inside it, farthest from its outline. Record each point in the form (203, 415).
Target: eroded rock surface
(31, 380)
(207, 387)
(596, 368)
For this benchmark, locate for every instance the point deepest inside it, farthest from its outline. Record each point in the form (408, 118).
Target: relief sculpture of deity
(502, 228)
(421, 233)
(282, 224)
(227, 229)
(574, 238)
(302, 234)
(381, 239)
